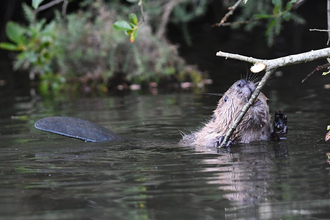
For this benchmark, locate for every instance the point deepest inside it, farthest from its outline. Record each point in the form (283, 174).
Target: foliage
(84, 50)
(36, 3)
(275, 12)
(90, 47)
(34, 42)
(181, 13)
(129, 28)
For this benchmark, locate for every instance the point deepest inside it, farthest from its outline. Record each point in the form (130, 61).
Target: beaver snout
(245, 87)
(241, 83)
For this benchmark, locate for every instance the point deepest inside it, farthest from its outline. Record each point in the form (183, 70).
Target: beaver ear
(263, 96)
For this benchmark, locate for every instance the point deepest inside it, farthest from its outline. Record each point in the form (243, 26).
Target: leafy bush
(270, 14)
(34, 42)
(84, 49)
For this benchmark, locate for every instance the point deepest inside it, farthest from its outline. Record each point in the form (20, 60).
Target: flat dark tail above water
(76, 128)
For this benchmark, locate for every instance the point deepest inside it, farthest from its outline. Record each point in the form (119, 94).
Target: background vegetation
(82, 51)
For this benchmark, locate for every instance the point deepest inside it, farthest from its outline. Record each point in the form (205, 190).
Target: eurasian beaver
(255, 125)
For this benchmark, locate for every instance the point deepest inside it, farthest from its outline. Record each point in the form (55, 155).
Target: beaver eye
(226, 98)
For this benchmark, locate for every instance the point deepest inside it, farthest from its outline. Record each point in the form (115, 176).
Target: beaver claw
(218, 143)
(280, 125)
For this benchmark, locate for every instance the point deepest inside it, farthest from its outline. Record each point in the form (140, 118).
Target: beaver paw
(218, 143)
(280, 125)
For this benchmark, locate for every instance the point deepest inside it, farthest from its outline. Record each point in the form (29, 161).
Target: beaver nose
(241, 83)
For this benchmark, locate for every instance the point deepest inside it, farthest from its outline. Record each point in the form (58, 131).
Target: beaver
(255, 125)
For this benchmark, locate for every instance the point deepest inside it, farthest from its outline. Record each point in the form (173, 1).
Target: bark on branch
(51, 4)
(229, 13)
(271, 66)
(168, 8)
(282, 61)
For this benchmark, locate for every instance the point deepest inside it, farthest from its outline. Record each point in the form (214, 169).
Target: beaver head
(254, 126)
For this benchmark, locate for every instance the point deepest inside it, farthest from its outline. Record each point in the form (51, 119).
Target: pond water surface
(47, 176)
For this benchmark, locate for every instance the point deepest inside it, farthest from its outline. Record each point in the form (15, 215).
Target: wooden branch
(142, 12)
(168, 8)
(48, 5)
(325, 66)
(64, 7)
(320, 30)
(230, 12)
(282, 61)
(239, 22)
(328, 14)
(271, 66)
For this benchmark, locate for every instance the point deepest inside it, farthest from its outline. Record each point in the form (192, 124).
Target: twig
(239, 22)
(48, 5)
(142, 12)
(328, 13)
(321, 30)
(230, 12)
(271, 66)
(168, 8)
(64, 7)
(282, 61)
(325, 66)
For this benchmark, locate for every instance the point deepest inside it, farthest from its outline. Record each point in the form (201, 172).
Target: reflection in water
(46, 176)
(249, 172)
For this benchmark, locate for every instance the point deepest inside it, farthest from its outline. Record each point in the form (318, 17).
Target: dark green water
(47, 176)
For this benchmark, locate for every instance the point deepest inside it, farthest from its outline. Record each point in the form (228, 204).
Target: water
(47, 176)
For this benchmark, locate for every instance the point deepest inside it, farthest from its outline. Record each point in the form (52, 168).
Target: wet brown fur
(254, 126)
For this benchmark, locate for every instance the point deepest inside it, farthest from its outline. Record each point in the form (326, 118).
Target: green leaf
(29, 15)
(286, 16)
(43, 87)
(15, 32)
(36, 3)
(46, 39)
(133, 18)
(325, 73)
(122, 26)
(132, 25)
(270, 26)
(129, 32)
(276, 10)
(133, 35)
(49, 29)
(277, 3)
(9, 46)
(258, 16)
(328, 59)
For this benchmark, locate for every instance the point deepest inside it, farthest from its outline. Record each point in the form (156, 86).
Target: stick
(282, 61)
(230, 12)
(168, 8)
(48, 5)
(320, 30)
(325, 66)
(64, 7)
(328, 14)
